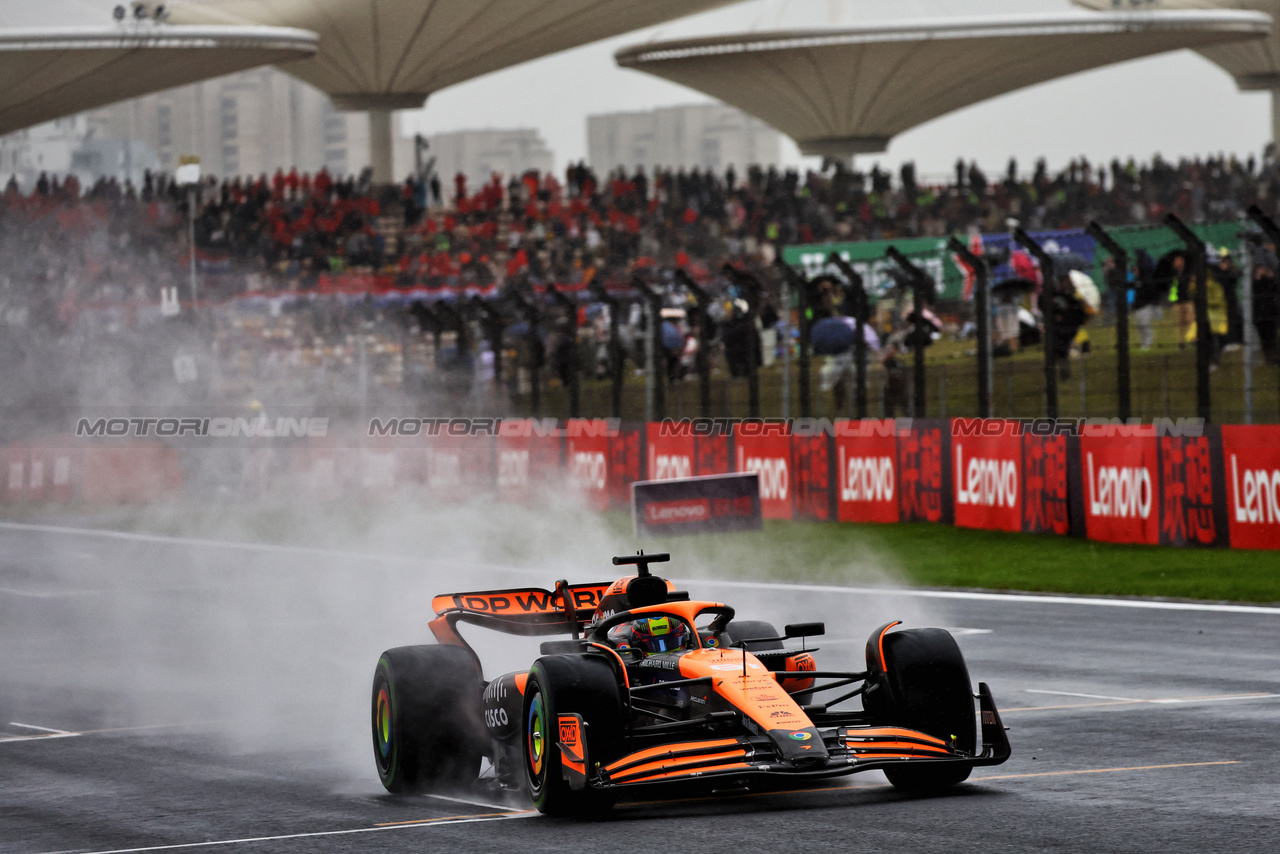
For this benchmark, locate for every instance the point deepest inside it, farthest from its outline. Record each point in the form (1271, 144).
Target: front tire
(563, 684)
(924, 686)
(426, 719)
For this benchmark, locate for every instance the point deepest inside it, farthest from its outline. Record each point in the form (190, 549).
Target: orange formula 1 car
(653, 689)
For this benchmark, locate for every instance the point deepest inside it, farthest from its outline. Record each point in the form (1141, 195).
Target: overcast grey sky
(1176, 104)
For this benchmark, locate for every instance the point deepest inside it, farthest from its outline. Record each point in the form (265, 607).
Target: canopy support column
(380, 146)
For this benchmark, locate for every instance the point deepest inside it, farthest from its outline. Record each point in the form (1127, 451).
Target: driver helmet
(660, 634)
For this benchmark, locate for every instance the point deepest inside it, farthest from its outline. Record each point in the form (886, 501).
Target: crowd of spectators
(75, 258)
(62, 243)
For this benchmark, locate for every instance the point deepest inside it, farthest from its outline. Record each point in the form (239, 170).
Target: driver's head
(659, 634)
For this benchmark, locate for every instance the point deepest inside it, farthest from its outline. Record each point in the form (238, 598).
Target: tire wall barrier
(1220, 488)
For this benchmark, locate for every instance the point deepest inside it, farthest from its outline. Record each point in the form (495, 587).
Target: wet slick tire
(929, 691)
(561, 684)
(739, 630)
(426, 719)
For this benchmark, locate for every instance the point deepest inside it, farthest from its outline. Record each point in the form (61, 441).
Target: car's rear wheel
(570, 684)
(924, 685)
(740, 630)
(427, 721)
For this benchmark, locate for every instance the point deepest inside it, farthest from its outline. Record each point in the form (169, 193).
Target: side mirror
(806, 630)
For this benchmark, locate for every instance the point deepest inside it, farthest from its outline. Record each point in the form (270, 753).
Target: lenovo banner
(986, 475)
(670, 454)
(718, 503)
(766, 450)
(1251, 463)
(587, 459)
(1120, 475)
(866, 471)
(525, 459)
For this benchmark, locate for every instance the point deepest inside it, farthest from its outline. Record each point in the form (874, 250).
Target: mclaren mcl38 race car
(652, 689)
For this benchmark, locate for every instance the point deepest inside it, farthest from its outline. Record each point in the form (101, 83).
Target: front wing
(850, 748)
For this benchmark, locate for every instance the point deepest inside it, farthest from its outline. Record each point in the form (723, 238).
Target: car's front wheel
(570, 684)
(924, 685)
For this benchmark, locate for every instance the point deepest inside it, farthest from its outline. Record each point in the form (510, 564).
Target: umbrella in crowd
(672, 337)
(1013, 286)
(832, 336)
(1086, 291)
(1071, 261)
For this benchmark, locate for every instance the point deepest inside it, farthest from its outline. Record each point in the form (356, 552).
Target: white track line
(472, 803)
(1027, 598)
(318, 833)
(1089, 696)
(42, 728)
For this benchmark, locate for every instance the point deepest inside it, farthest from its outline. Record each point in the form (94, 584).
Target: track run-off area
(170, 694)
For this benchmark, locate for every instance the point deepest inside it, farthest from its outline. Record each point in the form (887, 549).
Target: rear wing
(524, 610)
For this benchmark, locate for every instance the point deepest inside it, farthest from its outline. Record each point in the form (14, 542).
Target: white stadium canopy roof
(840, 92)
(392, 54)
(50, 72)
(384, 55)
(1254, 64)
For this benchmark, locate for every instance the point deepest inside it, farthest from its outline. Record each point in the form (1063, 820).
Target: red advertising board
(1187, 493)
(626, 464)
(1120, 476)
(1044, 485)
(1251, 463)
(526, 457)
(867, 477)
(587, 459)
(671, 453)
(811, 477)
(766, 450)
(986, 479)
(923, 472)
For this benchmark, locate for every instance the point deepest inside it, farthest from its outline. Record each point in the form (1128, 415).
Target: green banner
(932, 256)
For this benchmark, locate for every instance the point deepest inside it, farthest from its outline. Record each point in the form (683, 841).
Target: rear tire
(563, 684)
(427, 730)
(748, 629)
(925, 687)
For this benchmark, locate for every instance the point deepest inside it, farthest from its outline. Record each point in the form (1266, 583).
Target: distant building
(703, 135)
(242, 124)
(478, 154)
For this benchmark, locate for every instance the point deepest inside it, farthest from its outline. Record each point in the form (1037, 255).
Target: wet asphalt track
(183, 696)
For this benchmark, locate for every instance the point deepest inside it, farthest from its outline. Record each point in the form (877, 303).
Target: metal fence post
(919, 281)
(753, 288)
(617, 358)
(801, 284)
(1268, 226)
(575, 372)
(1049, 284)
(861, 311)
(1204, 340)
(703, 360)
(656, 366)
(1250, 334)
(1119, 285)
(982, 317)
